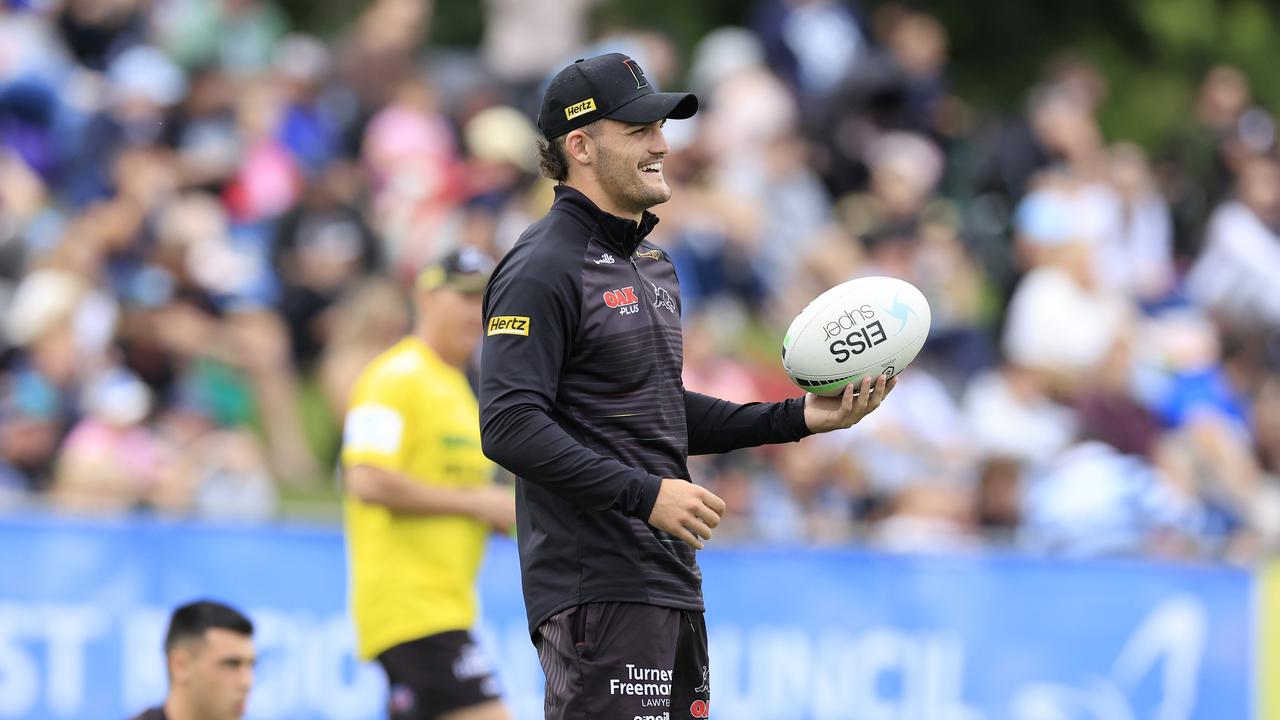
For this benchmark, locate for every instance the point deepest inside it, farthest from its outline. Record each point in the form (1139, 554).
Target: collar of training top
(624, 235)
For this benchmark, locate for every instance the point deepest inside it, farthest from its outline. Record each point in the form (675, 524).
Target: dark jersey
(581, 397)
(155, 713)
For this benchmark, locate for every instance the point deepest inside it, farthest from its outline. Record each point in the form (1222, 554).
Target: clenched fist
(687, 511)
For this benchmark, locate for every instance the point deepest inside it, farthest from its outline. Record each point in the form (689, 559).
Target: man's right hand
(687, 511)
(496, 506)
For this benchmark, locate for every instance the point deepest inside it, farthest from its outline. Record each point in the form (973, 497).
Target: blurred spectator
(1185, 374)
(314, 114)
(322, 246)
(1239, 271)
(142, 85)
(1209, 147)
(207, 223)
(112, 460)
(1062, 319)
(793, 205)
(368, 318)
(34, 48)
(812, 44)
(1109, 410)
(229, 471)
(1266, 424)
(411, 156)
(268, 180)
(1058, 125)
(31, 427)
(376, 57)
(908, 232)
(917, 43)
(1011, 415)
(525, 40)
(1092, 500)
(807, 496)
(24, 218)
(709, 366)
(1211, 460)
(905, 169)
(1136, 256)
(98, 30)
(203, 131)
(997, 510)
(235, 35)
(922, 437)
(505, 191)
(926, 518)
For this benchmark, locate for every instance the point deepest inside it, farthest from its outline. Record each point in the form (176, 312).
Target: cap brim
(469, 283)
(434, 278)
(657, 106)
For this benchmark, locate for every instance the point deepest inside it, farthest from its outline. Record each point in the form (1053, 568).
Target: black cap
(607, 86)
(465, 270)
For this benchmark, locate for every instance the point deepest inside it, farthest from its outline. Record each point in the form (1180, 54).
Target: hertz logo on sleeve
(509, 325)
(580, 108)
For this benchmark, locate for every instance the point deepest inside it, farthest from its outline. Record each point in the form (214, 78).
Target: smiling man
(581, 397)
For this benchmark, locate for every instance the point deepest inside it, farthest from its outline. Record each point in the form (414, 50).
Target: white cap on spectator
(302, 57)
(908, 155)
(43, 299)
(1045, 218)
(502, 134)
(118, 397)
(147, 72)
(721, 53)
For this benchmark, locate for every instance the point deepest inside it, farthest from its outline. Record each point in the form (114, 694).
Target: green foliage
(1153, 52)
(457, 23)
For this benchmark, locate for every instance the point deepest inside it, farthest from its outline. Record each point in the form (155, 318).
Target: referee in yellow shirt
(420, 504)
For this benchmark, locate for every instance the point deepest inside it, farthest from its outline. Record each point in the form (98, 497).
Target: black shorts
(437, 674)
(625, 661)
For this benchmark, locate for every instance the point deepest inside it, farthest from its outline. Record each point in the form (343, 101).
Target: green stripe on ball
(832, 388)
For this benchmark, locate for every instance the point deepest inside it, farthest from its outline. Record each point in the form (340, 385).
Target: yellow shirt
(412, 576)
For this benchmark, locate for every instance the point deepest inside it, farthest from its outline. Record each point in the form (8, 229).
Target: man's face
(629, 164)
(459, 318)
(216, 673)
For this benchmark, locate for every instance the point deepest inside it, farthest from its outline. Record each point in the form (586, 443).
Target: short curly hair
(552, 159)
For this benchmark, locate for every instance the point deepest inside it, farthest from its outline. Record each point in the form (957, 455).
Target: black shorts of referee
(440, 676)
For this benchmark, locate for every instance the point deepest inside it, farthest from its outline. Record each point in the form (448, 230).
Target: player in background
(581, 397)
(420, 503)
(209, 654)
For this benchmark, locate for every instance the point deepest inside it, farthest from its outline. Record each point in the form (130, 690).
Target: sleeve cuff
(795, 418)
(649, 488)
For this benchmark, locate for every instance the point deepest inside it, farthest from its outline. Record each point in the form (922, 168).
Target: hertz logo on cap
(509, 325)
(576, 109)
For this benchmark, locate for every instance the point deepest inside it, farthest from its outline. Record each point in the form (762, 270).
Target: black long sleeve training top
(581, 397)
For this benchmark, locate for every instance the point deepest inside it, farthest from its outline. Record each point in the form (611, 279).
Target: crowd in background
(209, 223)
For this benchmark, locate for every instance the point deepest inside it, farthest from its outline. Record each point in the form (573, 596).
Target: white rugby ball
(866, 326)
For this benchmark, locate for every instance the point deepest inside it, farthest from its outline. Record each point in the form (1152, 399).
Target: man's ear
(180, 664)
(580, 146)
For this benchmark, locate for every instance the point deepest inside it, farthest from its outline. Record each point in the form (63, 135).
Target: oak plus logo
(624, 300)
